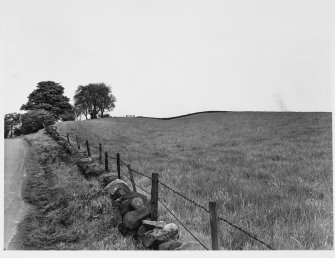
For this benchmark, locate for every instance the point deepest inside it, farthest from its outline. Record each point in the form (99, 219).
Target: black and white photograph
(167, 126)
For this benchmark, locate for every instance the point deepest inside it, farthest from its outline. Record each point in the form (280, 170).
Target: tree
(6, 131)
(68, 116)
(93, 99)
(34, 120)
(49, 96)
(81, 102)
(11, 120)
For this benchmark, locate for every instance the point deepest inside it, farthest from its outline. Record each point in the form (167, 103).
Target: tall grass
(270, 173)
(66, 211)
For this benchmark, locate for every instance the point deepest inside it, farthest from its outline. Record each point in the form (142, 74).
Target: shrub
(68, 116)
(34, 120)
(17, 131)
(106, 115)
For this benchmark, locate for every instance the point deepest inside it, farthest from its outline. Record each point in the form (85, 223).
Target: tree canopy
(37, 119)
(11, 119)
(49, 96)
(93, 99)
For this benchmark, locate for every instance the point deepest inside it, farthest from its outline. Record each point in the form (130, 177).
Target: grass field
(270, 173)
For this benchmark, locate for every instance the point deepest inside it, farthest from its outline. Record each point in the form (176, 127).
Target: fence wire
(231, 224)
(122, 162)
(135, 171)
(183, 196)
(91, 146)
(247, 233)
(183, 225)
(110, 157)
(139, 173)
(169, 211)
(179, 194)
(112, 168)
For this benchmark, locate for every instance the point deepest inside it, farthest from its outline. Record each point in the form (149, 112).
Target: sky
(167, 58)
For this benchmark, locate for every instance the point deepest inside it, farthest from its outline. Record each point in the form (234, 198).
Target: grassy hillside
(270, 173)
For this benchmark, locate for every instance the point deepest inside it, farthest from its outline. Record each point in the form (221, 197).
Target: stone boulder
(170, 245)
(82, 162)
(85, 160)
(137, 203)
(133, 219)
(157, 236)
(83, 152)
(126, 231)
(117, 188)
(87, 168)
(154, 224)
(132, 195)
(107, 178)
(143, 229)
(132, 201)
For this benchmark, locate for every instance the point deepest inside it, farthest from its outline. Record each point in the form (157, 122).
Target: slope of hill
(269, 172)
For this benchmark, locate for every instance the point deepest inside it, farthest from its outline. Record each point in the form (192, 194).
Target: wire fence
(118, 169)
(170, 212)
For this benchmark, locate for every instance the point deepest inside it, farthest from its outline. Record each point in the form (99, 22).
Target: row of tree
(47, 104)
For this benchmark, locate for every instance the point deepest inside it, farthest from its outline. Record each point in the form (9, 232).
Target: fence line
(202, 207)
(169, 211)
(179, 194)
(247, 233)
(183, 225)
(122, 162)
(139, 173)
(111, 157)
(183, 196)
(97, 148)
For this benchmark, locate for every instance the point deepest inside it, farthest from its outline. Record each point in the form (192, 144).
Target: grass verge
(66, 211)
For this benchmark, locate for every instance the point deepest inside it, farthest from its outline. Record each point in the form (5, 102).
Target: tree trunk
(93, 115)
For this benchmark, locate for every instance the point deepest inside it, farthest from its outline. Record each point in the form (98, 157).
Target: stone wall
(134, 207)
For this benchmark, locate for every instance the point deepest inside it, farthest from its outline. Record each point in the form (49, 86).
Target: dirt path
(14, 174)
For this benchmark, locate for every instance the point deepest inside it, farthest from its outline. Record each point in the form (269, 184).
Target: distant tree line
(47, 104)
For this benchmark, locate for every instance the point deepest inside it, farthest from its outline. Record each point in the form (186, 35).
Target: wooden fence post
(118, 165)
(77, 142)
(68, 139)
(132, 178)
(100, 152)
(214, 220)
(154, 197)
(106, 162)
(88, 149)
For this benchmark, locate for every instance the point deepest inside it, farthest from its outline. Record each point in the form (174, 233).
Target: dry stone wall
(134, 207)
